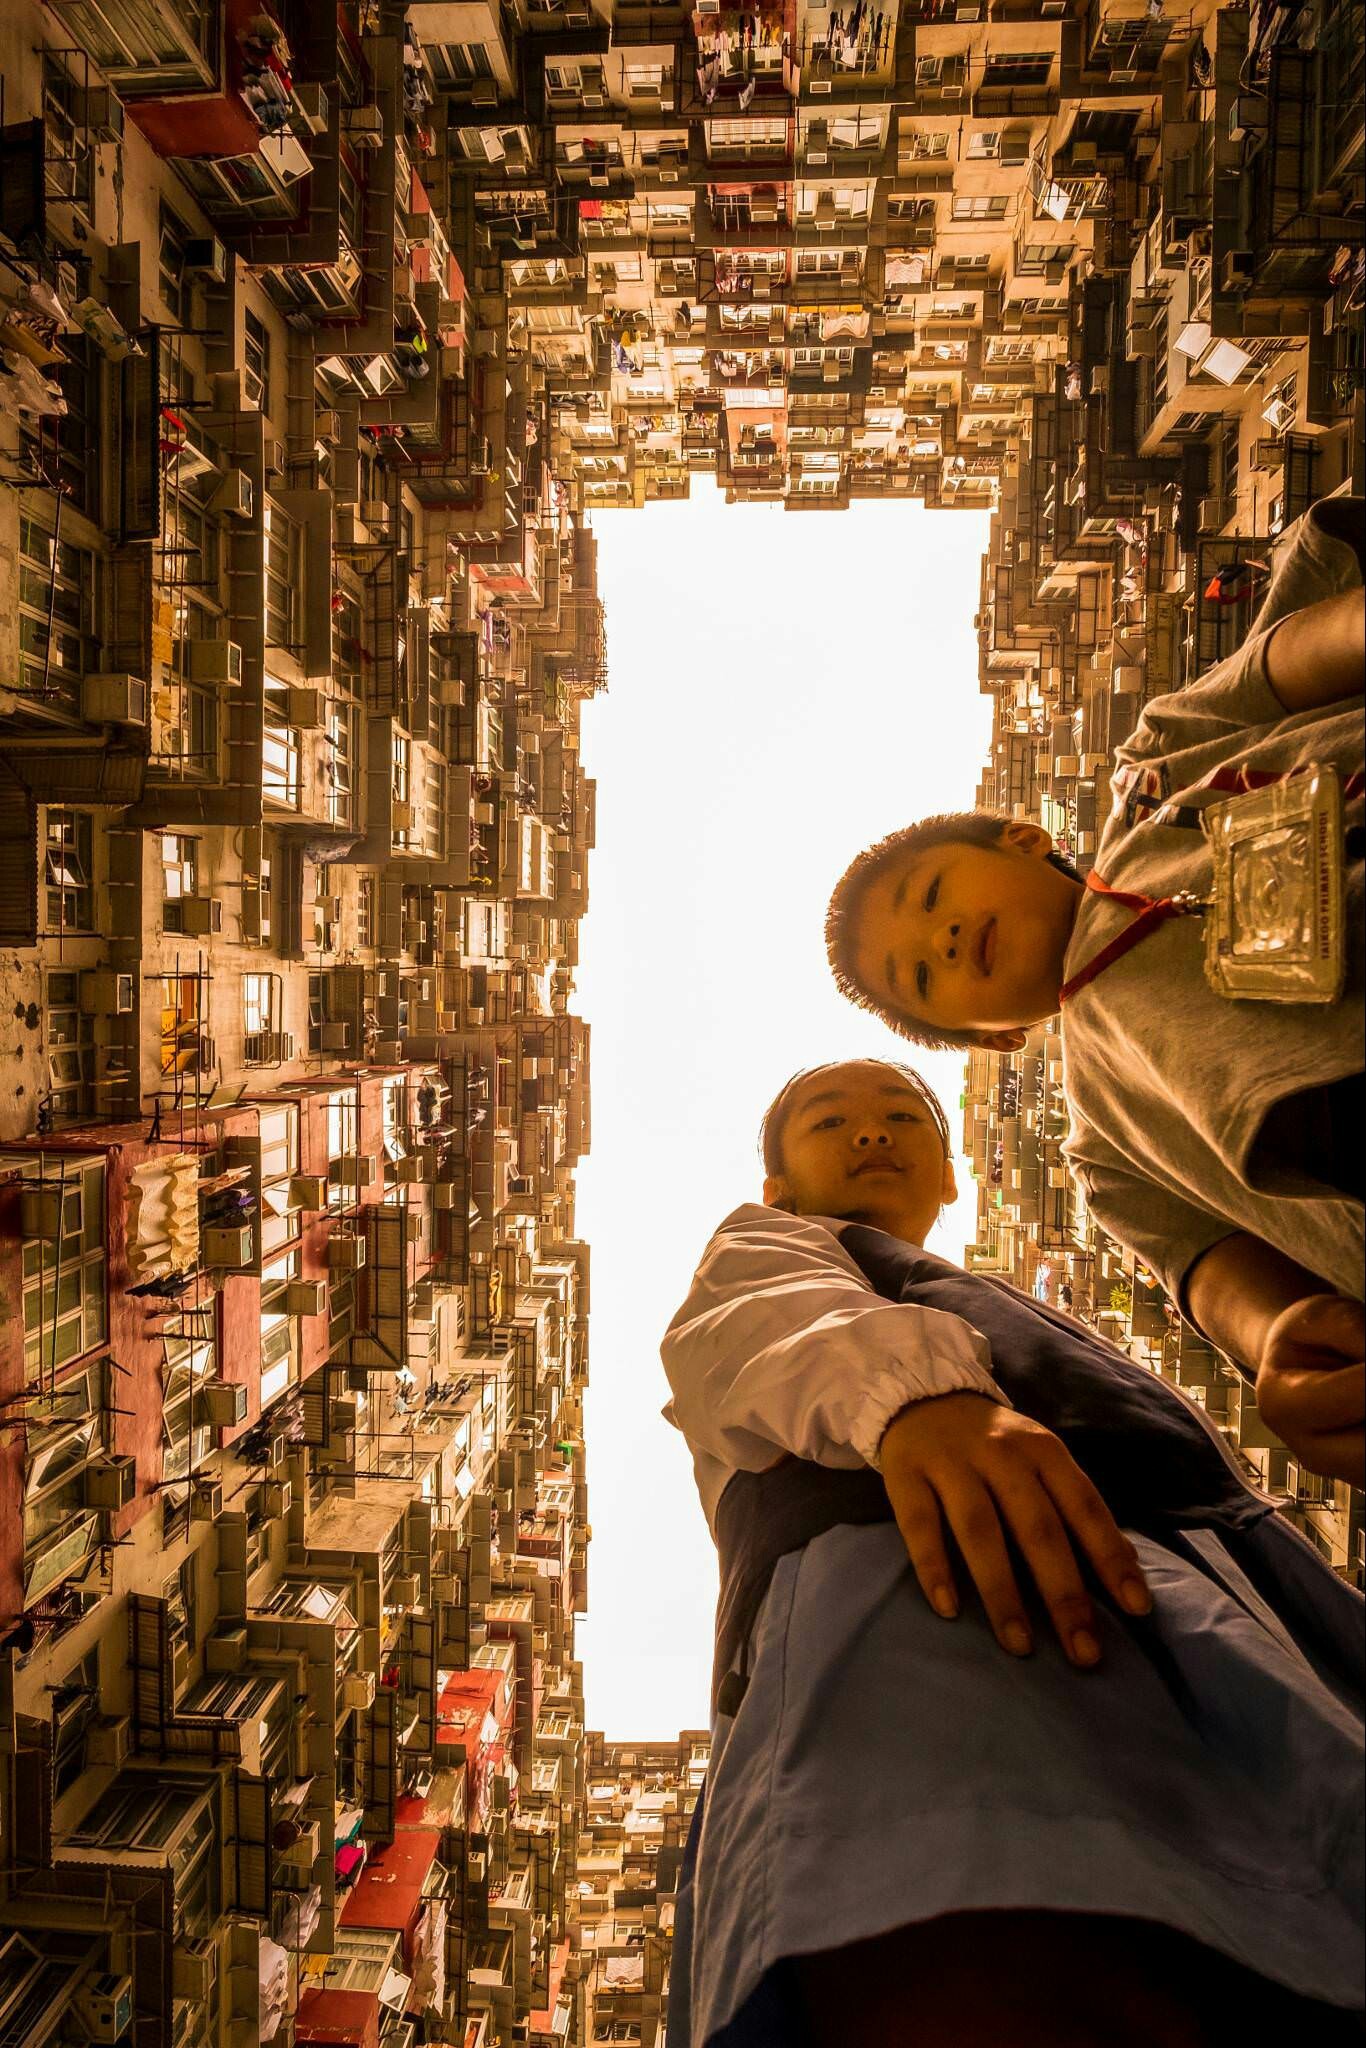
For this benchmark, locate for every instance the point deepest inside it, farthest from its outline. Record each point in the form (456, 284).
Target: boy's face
(859, 1142)
(969, 938)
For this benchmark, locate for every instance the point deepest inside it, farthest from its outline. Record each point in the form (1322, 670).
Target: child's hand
(965, 1459)
(1311, 1384)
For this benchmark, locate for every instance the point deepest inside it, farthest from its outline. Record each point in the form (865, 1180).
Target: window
(176, 289)
(66, 872)
(64, 1277)
(978, 206)
(279, 1329)
(185, 1441)
(184, 1047)
(68, 157)
(457, 64)
(256, 353)
(70, 1051)
(747, 138)
(67, 447)
(1018, 67)
(179, 876)
(339, 762)
(59, 1530)
(279, 1139)
(365, 910)
(261, 1006)
(984, 143)
(280, 774)
(56, 578)
(284, 577)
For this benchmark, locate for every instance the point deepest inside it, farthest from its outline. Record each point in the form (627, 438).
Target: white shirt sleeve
(782, 1346)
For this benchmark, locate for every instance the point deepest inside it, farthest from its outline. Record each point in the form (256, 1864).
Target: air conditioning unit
(276, 458)
(334, 1036)
(358, 1690)
(205, 257)
(235, 496)
(405, 1589)
(108, 1741)
(1014, 150)
(951, 92)
(1126, 77)
(228, 1245)
(353, 1170)
(364, 127)
(104, 2007)
(109, 1484)
(277, 1497)
(1238, 270)
(484, 92)
(194, 1971)
(105, 992)
(302, 1853)
(1053, 9)
(308, 1191)
(213, 661)
(1213, 514)
(222, 1404)
(374, 513)
(592, 99)
(305, 1297)
(819, 85)
(114, 700)
(345, 1254)
(201, 916)
(206, 1500)
(306, 709)
(311, 99)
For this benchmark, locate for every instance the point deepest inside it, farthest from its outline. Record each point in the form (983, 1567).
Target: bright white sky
(785, 688)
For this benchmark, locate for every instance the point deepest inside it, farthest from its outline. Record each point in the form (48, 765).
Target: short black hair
(780, 1109)
(945, 828)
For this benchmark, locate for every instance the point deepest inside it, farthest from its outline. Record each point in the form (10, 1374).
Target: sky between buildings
(784, 689)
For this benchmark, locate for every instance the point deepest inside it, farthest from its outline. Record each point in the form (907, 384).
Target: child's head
(954, 930)
(863, 1139)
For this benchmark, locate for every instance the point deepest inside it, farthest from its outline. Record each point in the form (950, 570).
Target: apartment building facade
(323, 333)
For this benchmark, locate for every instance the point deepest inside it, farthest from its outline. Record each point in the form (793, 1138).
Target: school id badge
(1274, 929)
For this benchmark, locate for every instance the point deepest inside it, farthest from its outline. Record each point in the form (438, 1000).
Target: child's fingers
(972, 1516)
(1337, 1454)
(1083, 1509)
(1320, 1330)
(1037, 1528)
(1310, 1398)
(921, 1523)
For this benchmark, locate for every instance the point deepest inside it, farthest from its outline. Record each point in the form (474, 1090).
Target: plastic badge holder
(1274, 929)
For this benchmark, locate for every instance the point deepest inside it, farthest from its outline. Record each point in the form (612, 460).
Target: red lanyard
(1152, 912)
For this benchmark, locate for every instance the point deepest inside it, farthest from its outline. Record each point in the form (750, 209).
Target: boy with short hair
(1216, 1138)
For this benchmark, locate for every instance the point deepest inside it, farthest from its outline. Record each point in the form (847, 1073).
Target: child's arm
(1303, 1342)
(1318, 656)
(781, 1341)
(783, 1344)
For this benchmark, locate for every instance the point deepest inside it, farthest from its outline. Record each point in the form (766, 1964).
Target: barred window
(284, 577)
(57, 579)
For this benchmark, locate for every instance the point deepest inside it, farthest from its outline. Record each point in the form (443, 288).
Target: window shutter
(140, 439)
(18, 863)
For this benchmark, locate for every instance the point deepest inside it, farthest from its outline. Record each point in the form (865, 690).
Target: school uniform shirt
(781, 1347)
(1168, 1083)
